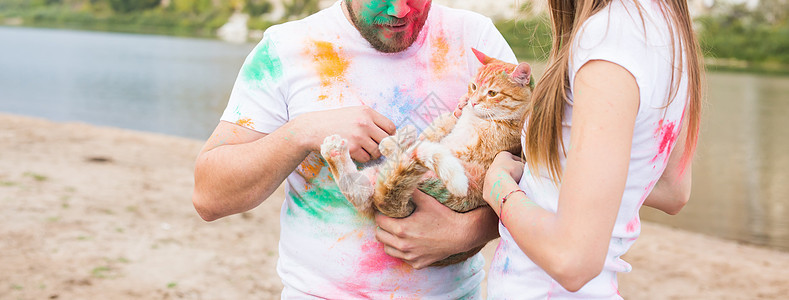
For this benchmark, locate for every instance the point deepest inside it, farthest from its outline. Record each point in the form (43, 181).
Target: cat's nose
(474, 104)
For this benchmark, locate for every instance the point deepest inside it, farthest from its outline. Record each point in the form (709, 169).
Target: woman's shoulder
(628, 18)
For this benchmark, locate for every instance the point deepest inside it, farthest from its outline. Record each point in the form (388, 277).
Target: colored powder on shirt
(246, 122)
(325, 203)
(440, 51)
(311, 167)
(633, 225)
(331, 64)
(375, 260)
(667, 135)
(264, 65)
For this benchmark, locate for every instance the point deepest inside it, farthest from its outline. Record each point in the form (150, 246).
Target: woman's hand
(502, 177)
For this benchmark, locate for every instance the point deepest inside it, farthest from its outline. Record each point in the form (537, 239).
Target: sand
(91, 212)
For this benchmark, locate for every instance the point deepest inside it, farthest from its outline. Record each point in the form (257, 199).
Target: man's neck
(346, 11)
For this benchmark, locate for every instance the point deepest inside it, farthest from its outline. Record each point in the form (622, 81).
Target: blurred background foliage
(731, 35)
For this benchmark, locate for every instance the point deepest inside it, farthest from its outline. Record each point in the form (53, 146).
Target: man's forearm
(485, 226)
(234, 178)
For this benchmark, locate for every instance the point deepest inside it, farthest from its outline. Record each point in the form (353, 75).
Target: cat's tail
(397, 179)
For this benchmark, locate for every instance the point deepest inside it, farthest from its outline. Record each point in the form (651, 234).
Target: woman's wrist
(501, 184)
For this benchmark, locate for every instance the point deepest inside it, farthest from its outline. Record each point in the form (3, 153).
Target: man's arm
(238, 168)
(434, 232)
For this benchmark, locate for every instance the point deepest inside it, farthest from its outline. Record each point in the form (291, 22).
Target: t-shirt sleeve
(609, 39)
(493, 44)
(258, 100)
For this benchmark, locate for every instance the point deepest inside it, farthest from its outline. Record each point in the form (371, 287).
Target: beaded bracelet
(501, 205)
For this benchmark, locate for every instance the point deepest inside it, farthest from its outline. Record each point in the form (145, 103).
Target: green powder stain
(435, 188)
(324, 202)
(265, 65)
(532, 82)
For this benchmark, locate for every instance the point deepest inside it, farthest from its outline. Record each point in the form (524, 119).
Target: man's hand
(363, 127)
(434, 232)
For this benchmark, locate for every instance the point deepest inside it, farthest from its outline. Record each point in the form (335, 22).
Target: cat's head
(500, 91)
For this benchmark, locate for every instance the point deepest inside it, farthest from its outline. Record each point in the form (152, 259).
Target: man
(359, 69)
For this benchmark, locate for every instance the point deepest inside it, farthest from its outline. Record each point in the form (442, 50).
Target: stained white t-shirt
(615, 34)
(326, 248)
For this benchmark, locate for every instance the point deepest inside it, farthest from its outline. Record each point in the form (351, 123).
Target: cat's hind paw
(446, 166)
(454, 177)
(333, 146)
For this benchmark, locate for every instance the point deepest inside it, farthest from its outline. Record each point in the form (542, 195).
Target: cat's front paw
(399, 142)
(406, 136)
(333, 146)
(389, 146)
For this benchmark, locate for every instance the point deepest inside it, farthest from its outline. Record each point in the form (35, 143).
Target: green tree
(257, 7)
(127, 6)
(300, 8)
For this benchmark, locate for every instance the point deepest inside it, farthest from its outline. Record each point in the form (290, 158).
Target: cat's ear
(522, 74)
(484, 59)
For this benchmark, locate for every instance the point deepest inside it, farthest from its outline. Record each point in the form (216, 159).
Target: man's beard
(399, 41)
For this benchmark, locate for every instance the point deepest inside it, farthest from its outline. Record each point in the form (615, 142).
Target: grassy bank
(728, 43)
(741, 40)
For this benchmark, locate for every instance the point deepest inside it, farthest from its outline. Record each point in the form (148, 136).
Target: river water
(180, 86)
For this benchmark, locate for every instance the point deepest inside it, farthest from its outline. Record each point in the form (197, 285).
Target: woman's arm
(571, 244)
(672, 191)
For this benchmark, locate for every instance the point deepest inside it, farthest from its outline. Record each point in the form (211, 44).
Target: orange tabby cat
(458, 150)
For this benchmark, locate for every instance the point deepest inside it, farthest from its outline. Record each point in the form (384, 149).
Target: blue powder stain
(506, 265)
(401, 104)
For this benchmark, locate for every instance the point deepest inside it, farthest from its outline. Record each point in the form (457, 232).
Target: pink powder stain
(615, 285)
(375, 260)
(633, 225)
(667, 135)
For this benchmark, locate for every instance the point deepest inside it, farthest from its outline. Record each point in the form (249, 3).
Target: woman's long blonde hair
(543, 133)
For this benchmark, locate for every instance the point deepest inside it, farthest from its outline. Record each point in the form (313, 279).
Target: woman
(613, 125)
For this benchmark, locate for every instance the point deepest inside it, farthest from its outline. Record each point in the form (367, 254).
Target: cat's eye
(492, 93)
(473, 87)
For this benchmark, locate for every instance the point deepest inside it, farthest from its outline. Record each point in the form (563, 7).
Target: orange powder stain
(358, 234)
(440, 52)
(246, 122)
(331, 65)
(310, 167)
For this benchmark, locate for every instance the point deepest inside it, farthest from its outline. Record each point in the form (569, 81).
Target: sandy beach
(91, 212)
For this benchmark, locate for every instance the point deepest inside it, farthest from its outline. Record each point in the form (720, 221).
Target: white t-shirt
(322, 62)
(615, 34)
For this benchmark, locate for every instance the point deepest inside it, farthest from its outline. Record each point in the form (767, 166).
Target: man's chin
(393, 45)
